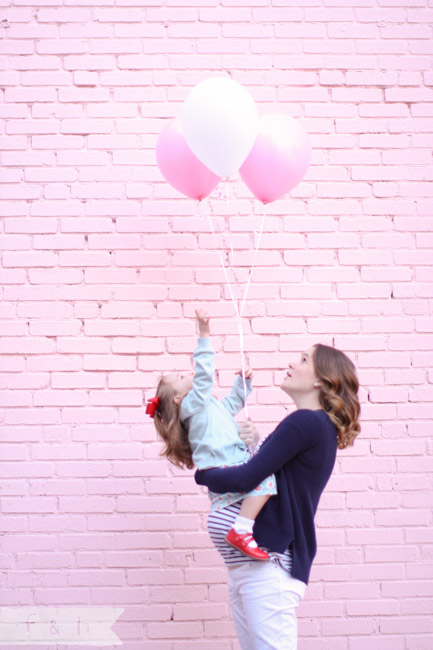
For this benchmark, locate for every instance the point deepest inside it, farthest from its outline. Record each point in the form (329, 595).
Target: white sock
(244, 525)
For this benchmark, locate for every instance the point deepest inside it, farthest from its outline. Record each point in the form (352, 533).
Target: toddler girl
(199, 430)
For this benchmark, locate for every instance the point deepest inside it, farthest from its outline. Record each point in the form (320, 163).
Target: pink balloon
(279, 158)
(179, 166)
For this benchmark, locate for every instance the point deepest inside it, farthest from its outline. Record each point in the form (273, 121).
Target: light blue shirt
(212, 431)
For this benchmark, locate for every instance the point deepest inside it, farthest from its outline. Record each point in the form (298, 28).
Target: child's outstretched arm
(203, 322)
(204, 358)
(235, 400)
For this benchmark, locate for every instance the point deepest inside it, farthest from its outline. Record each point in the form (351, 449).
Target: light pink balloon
(179, 166)
(219, 121)
(279, 158)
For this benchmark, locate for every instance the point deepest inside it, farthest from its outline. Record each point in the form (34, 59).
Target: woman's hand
(248, 372)
(249, 434)
(203, 323)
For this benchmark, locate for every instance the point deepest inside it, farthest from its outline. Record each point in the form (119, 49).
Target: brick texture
(103, 264)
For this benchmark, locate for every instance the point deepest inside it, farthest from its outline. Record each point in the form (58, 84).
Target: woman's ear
(176, 399)
(317, 384)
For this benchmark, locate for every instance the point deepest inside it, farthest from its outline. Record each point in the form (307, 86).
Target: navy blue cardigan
(301, 453)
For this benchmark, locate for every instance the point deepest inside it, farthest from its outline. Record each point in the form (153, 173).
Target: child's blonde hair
(170, 428)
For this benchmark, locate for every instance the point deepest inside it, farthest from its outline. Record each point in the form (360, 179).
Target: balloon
(279, 159)
(179, 166)
(220, 120)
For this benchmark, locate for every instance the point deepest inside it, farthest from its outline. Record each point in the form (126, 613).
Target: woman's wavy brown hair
(338, 392)
(170, 429)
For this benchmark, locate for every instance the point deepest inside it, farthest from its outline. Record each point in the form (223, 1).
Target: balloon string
(237, 309)
(229, 226)
(254, 260)
(222, 262)
(238, 315)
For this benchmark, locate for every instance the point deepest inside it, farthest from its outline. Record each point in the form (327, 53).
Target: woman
(301, 453)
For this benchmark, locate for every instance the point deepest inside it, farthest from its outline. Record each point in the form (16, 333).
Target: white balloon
(220, 124)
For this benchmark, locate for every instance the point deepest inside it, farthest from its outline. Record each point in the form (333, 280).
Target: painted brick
(104, 265)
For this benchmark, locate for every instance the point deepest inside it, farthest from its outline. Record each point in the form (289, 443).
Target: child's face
(181, 383)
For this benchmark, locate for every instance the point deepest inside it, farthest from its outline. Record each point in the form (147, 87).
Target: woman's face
(301, 375)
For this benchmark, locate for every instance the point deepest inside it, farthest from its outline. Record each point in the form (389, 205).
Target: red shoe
(242, 542)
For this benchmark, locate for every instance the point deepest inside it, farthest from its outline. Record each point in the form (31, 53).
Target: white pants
(264, 598)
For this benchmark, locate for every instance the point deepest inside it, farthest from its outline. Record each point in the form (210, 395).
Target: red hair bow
(152, 406)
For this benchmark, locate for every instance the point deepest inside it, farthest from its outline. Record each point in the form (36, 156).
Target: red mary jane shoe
(242, 542)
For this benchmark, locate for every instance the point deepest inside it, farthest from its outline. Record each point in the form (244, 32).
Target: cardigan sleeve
(295, 434)
(235, 400)
(201, 392)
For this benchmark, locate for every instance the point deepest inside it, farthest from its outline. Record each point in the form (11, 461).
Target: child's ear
(176, 399)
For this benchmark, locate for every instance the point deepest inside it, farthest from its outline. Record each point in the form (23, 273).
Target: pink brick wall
(103, 265)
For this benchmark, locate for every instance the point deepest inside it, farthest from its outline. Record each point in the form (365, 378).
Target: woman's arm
(292, 436)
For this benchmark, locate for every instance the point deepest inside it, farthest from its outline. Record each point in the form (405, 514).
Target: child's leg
(252, 505)
(241, 535)
(250, 508)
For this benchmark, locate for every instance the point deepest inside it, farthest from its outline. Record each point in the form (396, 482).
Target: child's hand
(248, 372)
(203, 323)
(249, 434)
